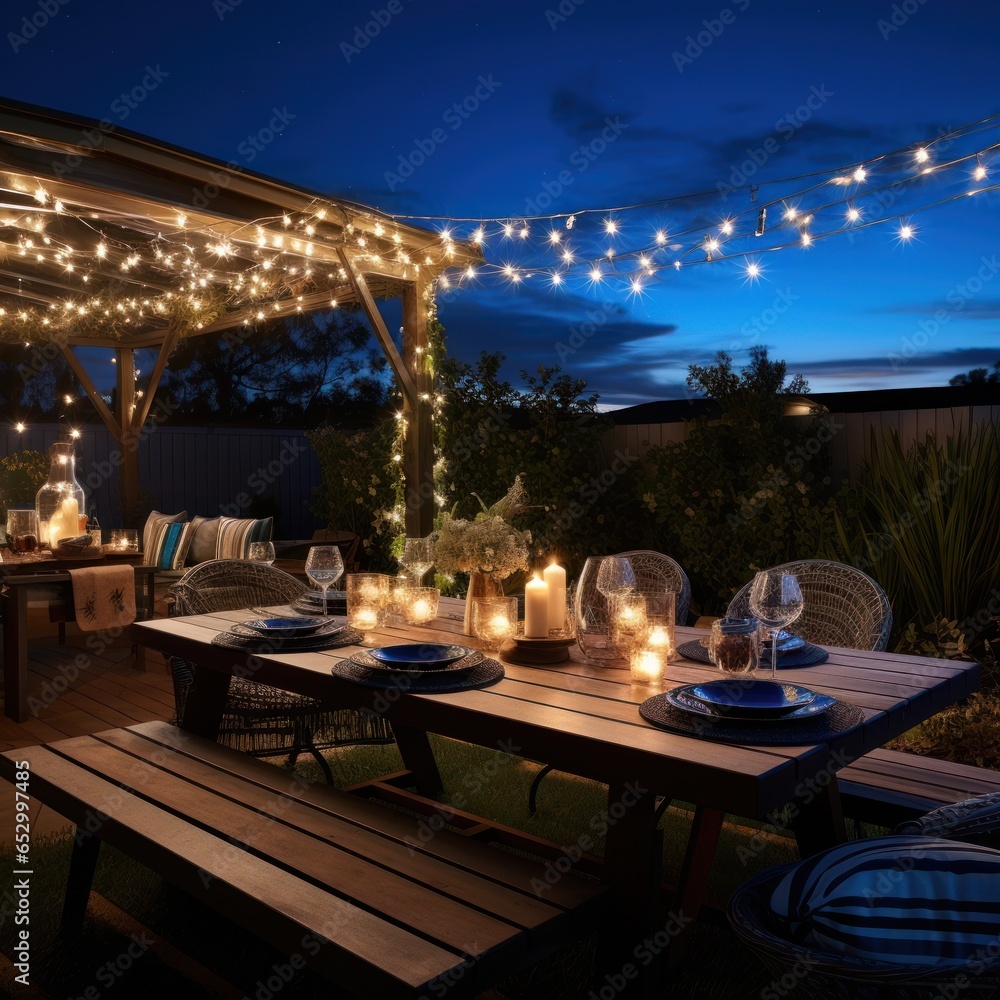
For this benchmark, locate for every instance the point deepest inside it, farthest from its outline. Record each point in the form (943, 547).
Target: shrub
(21, 476)
(359, 487)
(925, 522)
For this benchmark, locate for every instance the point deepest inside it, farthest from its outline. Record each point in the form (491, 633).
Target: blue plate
(753, 699)
(419, 655)
(683, 699)
(285, 626)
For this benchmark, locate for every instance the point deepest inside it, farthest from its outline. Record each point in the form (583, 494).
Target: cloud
(954, 360)
(970, 308)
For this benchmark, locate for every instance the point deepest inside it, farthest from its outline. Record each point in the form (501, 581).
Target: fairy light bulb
(661, 237)
(853, 214)
(922, 155)
(554, 236)
(727, 227)
(806, 240)
(556, 278)
(752, 270)
(860, 174)
(980, 172)
(906, 233)
(610, 226)
(508, 230)
(477, 236)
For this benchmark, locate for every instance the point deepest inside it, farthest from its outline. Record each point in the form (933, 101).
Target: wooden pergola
(111, 239)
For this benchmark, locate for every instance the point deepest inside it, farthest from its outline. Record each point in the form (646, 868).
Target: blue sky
(355, 95)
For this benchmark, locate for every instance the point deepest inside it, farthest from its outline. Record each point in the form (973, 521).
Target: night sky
(521, 92)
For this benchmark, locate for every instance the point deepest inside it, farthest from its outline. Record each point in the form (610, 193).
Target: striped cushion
(154, 523)
(911, 901)
(236, 534)
(170, 545)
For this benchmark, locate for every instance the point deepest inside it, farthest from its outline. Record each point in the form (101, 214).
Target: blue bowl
(753, 698)
(420, 655)
(285, 626)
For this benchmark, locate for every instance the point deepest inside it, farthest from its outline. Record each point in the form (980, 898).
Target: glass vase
(481, 586)
(594, 616)
(61, 500)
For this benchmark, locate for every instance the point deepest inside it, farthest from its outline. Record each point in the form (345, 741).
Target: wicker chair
(652, 570)
(841, 606)
(258, 719)
(824, 976)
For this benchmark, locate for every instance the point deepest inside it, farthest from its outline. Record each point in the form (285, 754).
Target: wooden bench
(379, 901)
(887, 787)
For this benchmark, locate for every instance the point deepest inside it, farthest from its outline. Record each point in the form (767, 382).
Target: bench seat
(887, 786)
(358, 890)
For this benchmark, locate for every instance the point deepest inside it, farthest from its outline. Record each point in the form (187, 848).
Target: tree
(978, 376)
(755, 394)
(298, 369)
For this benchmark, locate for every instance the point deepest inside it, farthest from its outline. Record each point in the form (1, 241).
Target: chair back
(841, 606)
(229, 584)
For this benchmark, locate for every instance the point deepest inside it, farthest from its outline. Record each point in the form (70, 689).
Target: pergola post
(418, 450)
(128, 443)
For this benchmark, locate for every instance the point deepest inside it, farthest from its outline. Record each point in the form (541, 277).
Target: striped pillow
(912, 901)
(236, 534)
(154, 524)
(170, 545)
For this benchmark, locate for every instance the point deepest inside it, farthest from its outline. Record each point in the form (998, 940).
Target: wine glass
(615, 576)
(324, 567)
(417, 557)
(776, 601)
(262, 552)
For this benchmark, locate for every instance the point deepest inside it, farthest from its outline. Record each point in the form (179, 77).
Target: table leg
(695, 869)
(206, 698)
(628, 956)
(819, 824)
(15, 653)
(415, 749)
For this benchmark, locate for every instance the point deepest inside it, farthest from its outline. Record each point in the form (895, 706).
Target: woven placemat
(303, 644)
(482, 675)
(841, 718)
(806, 656)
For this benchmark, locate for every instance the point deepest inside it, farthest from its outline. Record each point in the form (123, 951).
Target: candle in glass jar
(536, 609)
(659, 638)
(420, 611)
(364, 618)
(555, 577)
(647, 665)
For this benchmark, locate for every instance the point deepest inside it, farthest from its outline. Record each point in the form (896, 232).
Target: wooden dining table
(585, 720)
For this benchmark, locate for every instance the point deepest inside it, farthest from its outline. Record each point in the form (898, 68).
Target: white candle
(536, 609)
(555, 577)
(64, 523)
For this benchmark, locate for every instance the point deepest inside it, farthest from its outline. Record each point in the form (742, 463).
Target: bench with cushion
(356, 889)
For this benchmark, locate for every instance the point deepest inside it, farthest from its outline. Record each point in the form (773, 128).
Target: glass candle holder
(494, 620)
(628, 620)
(22, 530)
(367, 600)
(124, 540)
(419, 604)
(648, 666)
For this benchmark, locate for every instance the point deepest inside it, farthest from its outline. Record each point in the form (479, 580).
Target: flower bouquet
(489, 548)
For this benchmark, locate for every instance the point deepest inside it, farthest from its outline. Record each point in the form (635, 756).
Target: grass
(487, 782)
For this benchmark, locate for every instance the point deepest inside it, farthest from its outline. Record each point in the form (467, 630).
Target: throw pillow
(204, 539)
(152, 527)
(170, 546)
(912, 901)
(236, 534)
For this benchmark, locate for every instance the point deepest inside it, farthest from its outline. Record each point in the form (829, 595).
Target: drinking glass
(615, 576)
(324, 567)
(417, 557)
(776, 601)
(262, 552)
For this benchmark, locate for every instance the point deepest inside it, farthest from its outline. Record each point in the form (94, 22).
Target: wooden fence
(850, 433)
(238, 472)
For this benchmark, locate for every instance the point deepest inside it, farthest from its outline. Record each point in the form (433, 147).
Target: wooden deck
(110, 693)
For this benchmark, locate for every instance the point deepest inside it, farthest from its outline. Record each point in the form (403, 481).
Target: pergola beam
(92, 394)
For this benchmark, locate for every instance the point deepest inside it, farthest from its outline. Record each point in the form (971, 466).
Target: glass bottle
(59, 502)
